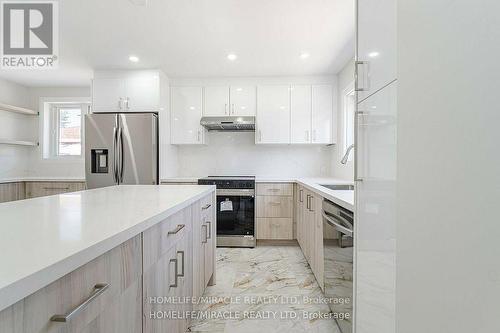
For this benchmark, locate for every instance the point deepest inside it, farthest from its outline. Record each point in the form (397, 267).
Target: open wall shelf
(17, 109)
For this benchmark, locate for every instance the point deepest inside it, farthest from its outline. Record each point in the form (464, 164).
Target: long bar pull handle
(209, 229)
(311, 206)
(56, 188)
(307, 202)
(205, 233)
(98, 290)
(115, 154)
(176, 272)
(275, 203)
(207, 206)
(362, 82)
(301, 197)
(182, 255)
(127, 103)
(177, 229)
(120, 159)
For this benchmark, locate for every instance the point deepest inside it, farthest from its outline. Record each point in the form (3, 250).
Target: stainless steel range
(235, 210)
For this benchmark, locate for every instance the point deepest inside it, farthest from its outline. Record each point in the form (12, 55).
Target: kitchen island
(66, 248)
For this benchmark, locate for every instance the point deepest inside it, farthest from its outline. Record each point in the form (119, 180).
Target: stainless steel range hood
(231, 124)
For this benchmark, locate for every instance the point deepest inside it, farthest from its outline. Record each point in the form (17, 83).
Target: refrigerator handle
(120, 156)
(115, 152)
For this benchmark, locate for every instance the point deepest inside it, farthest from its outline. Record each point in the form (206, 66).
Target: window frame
(346, 95)
(49, 127)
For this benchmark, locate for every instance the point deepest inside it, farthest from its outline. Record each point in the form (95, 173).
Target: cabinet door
(243, 100)
(209, 249)
(107, 95)
(299, 207)
(198, 251)
(322, 114)
(300, 110)
(216, 101)
(318, 240)
(186, 115)
(273, 114)
(142, 93)
(376, 45)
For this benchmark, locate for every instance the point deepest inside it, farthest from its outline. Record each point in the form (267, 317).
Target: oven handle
(330, 219)
(235, 193)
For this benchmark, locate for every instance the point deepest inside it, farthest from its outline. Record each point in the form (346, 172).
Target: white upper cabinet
(300, 107)
(376, 45)
(243, 100)
(273, 114)
(322, 114)
(186, 106)
(217, 101)
(126, 91)
(107, 94)
(142, 92)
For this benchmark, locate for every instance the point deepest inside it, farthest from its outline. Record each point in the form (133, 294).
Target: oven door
(236, 212)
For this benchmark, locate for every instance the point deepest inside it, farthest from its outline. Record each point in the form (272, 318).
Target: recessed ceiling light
(304, 55)
(232, 56)
(133, 58)
(373, 54)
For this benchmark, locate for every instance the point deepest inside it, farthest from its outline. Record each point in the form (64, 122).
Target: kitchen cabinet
(41, 189)
(322, 114)
(114, 277)
(216, 101)
(274, 211)
(310, 230)
(376, 45)
(300, 106)
(186, 110)
(126, 91)
(12, 191)
(243, 100)
(273, 114)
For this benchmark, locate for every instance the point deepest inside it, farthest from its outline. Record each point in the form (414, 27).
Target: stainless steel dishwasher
(338, 231)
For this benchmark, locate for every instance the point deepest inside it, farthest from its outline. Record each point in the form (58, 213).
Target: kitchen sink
(342, 187)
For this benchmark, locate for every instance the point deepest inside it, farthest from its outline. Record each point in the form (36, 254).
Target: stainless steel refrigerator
(121, 148)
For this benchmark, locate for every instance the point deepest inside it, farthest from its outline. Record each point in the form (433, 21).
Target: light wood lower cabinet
(117, 309)
(274, 211)
(310, 229)
(41, 189)
(12, 191)
(148, 277)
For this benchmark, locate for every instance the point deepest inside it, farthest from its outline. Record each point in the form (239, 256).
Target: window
(349, 108)
(63, 130)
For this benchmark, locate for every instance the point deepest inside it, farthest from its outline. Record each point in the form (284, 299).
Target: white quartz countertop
(45, 238)
(341, 198)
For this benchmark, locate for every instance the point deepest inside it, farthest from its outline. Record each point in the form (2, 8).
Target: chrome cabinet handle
(177, 229)
(307, 202)
(115, 155)
(275, 203)
(55, 188)
(127, 103)
(207, 206)
(301, 198)
(209, 229)
(120, 157)
(205, 233)
(176, 272)
(311, 206)
(273, 189)
(182, 255)
(361, 80)
(98, 290)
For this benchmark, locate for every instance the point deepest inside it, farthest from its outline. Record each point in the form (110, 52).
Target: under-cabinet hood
(228, 123)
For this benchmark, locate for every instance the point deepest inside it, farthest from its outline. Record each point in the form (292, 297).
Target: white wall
(339, 170)
(448, 231)
(14, 159)
(52, 168)
(237, 154)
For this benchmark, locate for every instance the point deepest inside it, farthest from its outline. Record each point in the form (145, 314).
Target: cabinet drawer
(274, 206)
(274, 228)
(283, 189)
(117, 309)
(160, 238)
(40, 189)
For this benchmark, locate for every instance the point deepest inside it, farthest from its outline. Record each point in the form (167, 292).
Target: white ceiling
(191, 38)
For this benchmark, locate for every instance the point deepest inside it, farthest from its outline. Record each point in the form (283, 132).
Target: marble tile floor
(268, 289)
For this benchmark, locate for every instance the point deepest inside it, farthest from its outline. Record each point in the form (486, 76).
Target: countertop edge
(18, 290)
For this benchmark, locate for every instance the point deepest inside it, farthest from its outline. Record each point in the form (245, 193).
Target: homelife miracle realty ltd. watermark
(29, 34)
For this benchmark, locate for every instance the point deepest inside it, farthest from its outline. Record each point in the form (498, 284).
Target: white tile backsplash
(235, 153)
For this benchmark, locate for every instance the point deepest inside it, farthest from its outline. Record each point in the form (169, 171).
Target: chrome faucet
(346, 155)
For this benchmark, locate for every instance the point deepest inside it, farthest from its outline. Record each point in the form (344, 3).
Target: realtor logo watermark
(29, 34)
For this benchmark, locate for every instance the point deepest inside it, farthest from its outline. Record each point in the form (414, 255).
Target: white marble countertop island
(45, 238)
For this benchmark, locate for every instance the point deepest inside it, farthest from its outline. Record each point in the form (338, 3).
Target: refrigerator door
(138, 148)
(100, 143)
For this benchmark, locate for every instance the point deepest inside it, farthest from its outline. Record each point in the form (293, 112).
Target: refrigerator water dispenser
(99, 160)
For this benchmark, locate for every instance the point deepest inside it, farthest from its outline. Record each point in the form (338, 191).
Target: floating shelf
(17, 109)
(18, 142)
